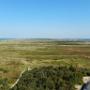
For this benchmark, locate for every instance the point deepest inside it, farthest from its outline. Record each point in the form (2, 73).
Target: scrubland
(18, 55)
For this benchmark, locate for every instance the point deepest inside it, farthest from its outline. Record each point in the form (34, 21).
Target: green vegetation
(18, 55)
(4, 84)
(51, 78)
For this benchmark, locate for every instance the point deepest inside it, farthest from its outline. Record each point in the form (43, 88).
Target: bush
(51, 78)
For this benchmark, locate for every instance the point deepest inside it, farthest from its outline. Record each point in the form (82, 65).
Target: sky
(45, 19)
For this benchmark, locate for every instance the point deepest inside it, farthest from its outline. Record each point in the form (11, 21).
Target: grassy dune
(16, 55)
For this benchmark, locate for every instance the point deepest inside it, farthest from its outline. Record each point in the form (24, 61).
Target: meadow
(18, 55)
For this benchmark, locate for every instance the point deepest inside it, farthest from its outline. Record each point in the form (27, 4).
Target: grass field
(17, 55)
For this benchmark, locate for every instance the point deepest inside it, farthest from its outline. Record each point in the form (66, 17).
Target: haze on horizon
(44, 18)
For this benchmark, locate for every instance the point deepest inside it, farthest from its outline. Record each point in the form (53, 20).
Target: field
(18, 55)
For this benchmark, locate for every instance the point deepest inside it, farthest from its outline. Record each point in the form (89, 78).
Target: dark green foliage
(4, 84)
(51, 78)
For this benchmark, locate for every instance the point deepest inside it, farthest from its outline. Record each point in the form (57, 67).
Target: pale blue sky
(44, 18)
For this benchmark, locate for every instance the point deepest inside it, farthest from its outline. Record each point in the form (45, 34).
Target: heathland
(19, 55)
